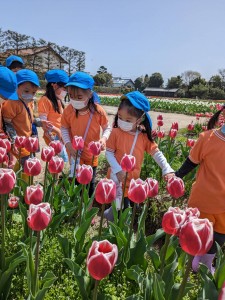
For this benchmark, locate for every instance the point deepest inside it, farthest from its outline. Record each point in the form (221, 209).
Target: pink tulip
(172, 220)
(47, 153)
(55, 165)
(3, 155)
(153, 187)
(173, 133)
(128, 163)
(190, 143)
(95, 148)
(138, 190)
(222, 292)
(160, 117)
(20, 141)
(190, 127)
(159, 123)
(7, 180)
(31, 144)
(57, 146)
(34, 194)
(32, 166)
(101, 259)
(204, 128)
(78, 143)
(174, 125)
(161, 134)
(5, 143)
(105, 191)
(39, 216)
(84, 174)
(13, 202)
(196, 236)
(175, 187)
(192, 212)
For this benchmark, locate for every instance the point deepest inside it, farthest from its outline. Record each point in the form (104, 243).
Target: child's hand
(70, 149)
(121, 176)
(102, 141)
(14, 149)
(168, 176)
(46, 125)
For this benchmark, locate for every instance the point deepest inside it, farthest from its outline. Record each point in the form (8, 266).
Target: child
(208, 191)
(14, 63)
(83, 117)
(132, 134)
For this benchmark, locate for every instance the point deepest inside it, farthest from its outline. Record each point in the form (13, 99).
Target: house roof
(118, 81)
(149, 89)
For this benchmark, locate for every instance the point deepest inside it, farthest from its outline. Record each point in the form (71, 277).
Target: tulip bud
(20, 141)
(5, 143)
(105, 191)
(192, 213)
(3, 155)
(34, 194)
(138, 190)
(101, 259)
(172, 220)
(7, 180)
(173, 133)
(39, 216)
(190, 127)
(175, 187)
(84, 174)
(153, 187)
(159, 117)
(190, 143)
(47, 153)
(161, 134)
(196, 236)
(95, 148)
(222, 292)
(57, 146)
(78, 143)
(32, 166)
(55, 165)
(128, 163)
(159, 123)
(31, 144)
(13, 202)
(174, 125)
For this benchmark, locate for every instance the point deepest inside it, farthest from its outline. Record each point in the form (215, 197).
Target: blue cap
(57, 76)
(13, 58)
(139, 101)
(26, 75)
(81, 80)
(96, 97)
(8, 84)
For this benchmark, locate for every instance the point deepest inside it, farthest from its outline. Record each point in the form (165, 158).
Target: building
(122, 82)
(160, 92)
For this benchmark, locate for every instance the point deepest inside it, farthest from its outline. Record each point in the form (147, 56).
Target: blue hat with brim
(55, 76)
(81, 80)
(12, 58)
(96, 97)
(8, 84)
(26, 75)
(139, 101)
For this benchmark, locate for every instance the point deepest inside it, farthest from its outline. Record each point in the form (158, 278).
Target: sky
(130, 38)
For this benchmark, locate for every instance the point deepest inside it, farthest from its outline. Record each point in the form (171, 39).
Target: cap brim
(10, 96)
(35, 83)
(82, 86)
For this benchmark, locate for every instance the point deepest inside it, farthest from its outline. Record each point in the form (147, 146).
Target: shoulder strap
(86, 130)
(27, 109)
(134, 142)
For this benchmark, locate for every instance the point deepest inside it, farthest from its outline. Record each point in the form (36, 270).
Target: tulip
(222, 292)
(31, 144)
(84, 174)
(172, 220)
(101, 259)
(13, 202)
(173, 133)
(20, 141)
(105, 191)
(39, 216)
(3, 155)
(7, 180)
(138, 190)
(190, 143)
(57, 146)
(153, 187)
(47, 153)
(32, 166)
(159, 123)
(175, 187)
(174, 125)
(55, 165)
(196, 236)
(160, 117)
(190, 127)
(192, 213)
(204, 128)
(5, 143)
(78, 143)
(34, 194)
(128, 163)
(95, 148)
(161, 134)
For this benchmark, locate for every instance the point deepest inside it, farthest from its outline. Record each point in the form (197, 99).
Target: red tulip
(3, 155)
(172, 220)
(173, 133)
(34, 194)
(174, 125)
(101, 259)
(196, 236)
(105, 191)
(5, 143)
(57, 146)
(95, 148)
(78, 143)
(128, 163)
(204, 128)
(190, 127)
(20, 141)
(160, 117)
(31, 144)
(161, 134)
(13, 202)
(160, 123)
(84, 174)
(153, 187)
(190, 143)
(175, 187)
(47, 153)
(32, 166)
(7, 180)
(55, 165)
(222, 292)
(138, 190)
(39, 216)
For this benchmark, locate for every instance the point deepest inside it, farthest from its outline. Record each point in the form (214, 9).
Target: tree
(201, 91)
(102, 70)
(16, 41)
(155, 80)
(216, 93)
(188, 76)
(61, 50)
(2, 40)
(216, 82)
(34, 61)
(103, 79)
(71, 58)
(197, 81)
(138, 83)
(146, 80)
(174, 82)
(80, 64)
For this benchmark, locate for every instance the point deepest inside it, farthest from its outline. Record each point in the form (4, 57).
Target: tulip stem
(95, 293)
(164, 250)
(130, 232)
(3, 232)
(173, 202)
(75, 166)
(36, 263)
(143, 217)
(45, 178)
(124, 187)
(53, 190)
(101, 221)
(19, 160)
(81, 204)
(185, 278)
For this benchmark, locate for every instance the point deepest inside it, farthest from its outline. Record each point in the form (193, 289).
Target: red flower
(95, 148)
(174, 125)
(153, 187)
(160, 117)
(190, 143)
(128, 163)
(39, 216)
(5, 143)
(47, 153)
(7, 180)
(175, 187)
(190, 127)
(13, 202)
(84, 174)
(196, 236)
(20, 141)
(172, 220)
(3, 155)
(31, 144)
(34, 194)
(222, 292)
(101, 259)
(138, 190)
(105, 191)
(57, 146)
(161, 134)
(204, 128)
(173, 133)
(78, 143)
(55, 165)
(159, 123)
(32, 166)
(192, 213)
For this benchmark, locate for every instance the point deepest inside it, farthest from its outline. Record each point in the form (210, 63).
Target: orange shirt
(208, 191)
(1, 123)
(120, 142)
(77, 126)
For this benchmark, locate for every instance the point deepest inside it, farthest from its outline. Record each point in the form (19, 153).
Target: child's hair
(50, 94)
(16, 64)
(32, 84)
(214, 119)
(144, 126)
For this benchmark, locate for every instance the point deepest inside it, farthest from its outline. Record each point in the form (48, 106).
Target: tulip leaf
(175, 290)
(135, 297)
(154, 258)
(65, 246)
(23, 212)
(168, 276)
(209, 290)
(47, 281)
(220, 275)
(59, 218)
(136, 273)
(151, 239)
(125, 218)
(158, 287)
(120, 237)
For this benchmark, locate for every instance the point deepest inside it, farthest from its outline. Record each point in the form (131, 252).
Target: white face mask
(27, 97)
(78, 104)
(62, 95)
(125, 126)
